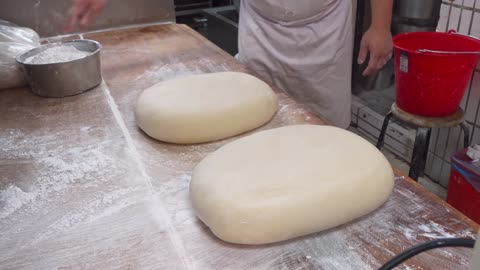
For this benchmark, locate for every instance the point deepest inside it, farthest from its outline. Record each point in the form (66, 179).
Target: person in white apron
(304, 47)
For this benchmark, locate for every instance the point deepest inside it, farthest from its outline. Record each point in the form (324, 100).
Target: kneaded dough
(203, 108)
(288, 182)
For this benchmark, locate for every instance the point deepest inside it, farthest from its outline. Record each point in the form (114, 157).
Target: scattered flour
(325, 251)
(185, 179)
(104, 205)
(57, 54)
(409, 233)
(166, 72)
(73, 165)
(13, 198)
(174, 69)
(434, 230)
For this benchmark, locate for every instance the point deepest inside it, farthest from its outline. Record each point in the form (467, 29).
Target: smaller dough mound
(288, 182)
(204, 108)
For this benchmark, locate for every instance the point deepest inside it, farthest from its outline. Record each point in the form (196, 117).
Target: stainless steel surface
(417, 9)
(445, 52)
(398, 28)
(379, 81)
(64, 79)
(47, 17)
(415, 16)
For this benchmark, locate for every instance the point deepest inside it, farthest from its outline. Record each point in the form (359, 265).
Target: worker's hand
(82, 13)
(377, 43)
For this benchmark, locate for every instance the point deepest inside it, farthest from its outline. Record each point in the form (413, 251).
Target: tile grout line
(160, 215)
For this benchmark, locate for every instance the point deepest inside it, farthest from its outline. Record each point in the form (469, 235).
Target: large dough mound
(288, 182)
(203, 108)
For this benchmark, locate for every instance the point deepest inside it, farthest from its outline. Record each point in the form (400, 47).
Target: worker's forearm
(381, 14)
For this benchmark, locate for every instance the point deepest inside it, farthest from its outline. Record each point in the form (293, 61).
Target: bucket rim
(403, 35)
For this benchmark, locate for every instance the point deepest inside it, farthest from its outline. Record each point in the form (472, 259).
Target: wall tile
(445, 174)
(473, 103)
(436, 168)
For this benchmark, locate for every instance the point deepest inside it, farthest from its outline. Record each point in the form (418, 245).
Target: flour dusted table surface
(81, 187)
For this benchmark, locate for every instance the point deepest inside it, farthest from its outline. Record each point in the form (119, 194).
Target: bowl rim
(22, 57)
(410, 34)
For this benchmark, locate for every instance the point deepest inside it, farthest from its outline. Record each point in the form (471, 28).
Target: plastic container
(433, 84)
(464, 186)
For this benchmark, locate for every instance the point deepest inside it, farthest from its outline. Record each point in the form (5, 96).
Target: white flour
(57, 54)
(326, 249)
(434, 230)
(13, 198)
(75, 165)
(159, 213)
(174, 70)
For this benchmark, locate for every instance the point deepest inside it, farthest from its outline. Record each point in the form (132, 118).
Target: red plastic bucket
(433, 84)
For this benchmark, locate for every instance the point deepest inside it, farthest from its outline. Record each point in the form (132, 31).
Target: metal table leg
(466, 135)
(381, 138)
(420, 153)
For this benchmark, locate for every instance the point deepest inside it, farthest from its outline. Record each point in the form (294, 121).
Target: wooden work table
(82, 187)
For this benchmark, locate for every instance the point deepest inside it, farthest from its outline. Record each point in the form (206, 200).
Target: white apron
(304, 47)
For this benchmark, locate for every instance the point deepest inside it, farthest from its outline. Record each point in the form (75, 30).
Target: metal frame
(420, 148)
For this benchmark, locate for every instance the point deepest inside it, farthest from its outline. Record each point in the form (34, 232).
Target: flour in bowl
(57, 54)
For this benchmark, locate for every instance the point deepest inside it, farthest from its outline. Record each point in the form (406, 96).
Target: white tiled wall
(460, 18)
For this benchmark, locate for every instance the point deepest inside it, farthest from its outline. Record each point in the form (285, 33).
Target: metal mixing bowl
(65, 78)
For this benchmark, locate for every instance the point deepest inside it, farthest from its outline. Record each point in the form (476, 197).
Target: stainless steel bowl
(65, 78)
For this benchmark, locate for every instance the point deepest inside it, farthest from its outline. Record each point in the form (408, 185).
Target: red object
(433, 84)
(464, 186)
